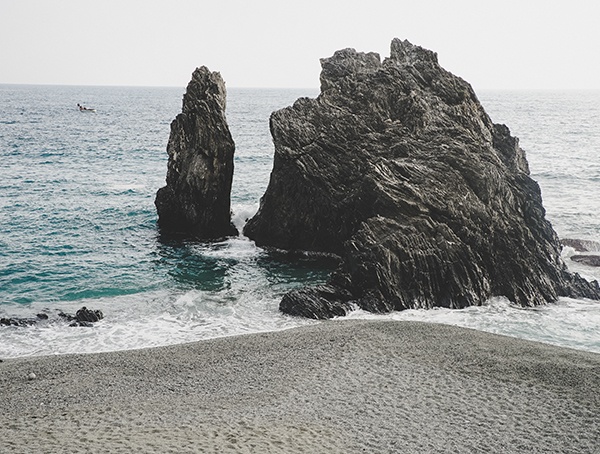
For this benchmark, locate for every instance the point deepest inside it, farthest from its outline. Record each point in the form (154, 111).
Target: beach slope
(334, 387)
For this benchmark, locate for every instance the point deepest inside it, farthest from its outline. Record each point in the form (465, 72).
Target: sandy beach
(333, 387)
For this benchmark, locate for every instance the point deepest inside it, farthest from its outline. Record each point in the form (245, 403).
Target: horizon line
(277, 87)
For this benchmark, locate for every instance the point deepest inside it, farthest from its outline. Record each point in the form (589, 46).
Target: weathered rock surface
(196, 200)
(397, 168)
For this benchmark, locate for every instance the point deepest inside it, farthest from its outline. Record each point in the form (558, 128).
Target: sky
(499, 44)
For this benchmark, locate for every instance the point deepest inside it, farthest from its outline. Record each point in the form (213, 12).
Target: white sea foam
(573, 323)
(148, 320)
(240, 213)
(567, 323)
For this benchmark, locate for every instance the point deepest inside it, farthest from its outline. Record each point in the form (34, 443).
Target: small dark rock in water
(11, 321)
(589, 260)
(83, 324)
(196, 200)
(581, 245)
(317, 302)
(83, 317)
(86, 315)
(397, 168)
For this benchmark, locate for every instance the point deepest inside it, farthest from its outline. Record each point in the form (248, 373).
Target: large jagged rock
(397, 168)
(196, 200)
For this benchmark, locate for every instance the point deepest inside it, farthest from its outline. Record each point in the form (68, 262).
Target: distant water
(78, 223)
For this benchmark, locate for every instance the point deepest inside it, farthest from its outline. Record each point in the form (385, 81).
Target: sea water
(78, 222)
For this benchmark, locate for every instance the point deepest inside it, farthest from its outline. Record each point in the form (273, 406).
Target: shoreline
(339, 386)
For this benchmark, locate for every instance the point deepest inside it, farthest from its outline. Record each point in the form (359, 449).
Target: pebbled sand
(335, 387)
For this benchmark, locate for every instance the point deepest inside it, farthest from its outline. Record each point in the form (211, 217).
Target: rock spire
(196, 200)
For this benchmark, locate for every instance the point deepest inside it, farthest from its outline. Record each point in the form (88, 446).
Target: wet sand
(335, 387)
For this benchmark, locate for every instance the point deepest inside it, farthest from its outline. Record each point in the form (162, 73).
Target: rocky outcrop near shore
(587, 247)
(83, 317)
(397, 168)
(196, 200)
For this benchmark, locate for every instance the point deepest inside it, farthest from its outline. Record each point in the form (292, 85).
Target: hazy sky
(278, 43)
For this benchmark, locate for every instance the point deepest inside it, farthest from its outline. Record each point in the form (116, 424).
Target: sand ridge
(334, 387)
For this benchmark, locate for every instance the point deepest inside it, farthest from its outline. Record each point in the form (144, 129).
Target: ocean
(78, 222)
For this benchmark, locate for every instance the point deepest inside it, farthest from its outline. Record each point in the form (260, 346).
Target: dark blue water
(78, 223)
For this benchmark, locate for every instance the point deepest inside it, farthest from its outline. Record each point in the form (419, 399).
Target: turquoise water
(78, 223)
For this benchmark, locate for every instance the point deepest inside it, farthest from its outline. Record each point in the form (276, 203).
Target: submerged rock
(23, 321)
(589, 260)
(196, 200)
(581, 245)
(397, 168)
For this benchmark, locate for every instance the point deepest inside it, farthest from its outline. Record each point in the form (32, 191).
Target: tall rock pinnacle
(196, 200)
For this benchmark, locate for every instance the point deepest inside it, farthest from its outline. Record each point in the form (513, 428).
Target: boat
(85, 109)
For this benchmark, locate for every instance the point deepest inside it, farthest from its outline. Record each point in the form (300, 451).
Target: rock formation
(196, 200)
(83, 317)
(397, 168)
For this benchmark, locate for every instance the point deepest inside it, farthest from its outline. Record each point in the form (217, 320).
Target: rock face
(397, 168)
(196, 200)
